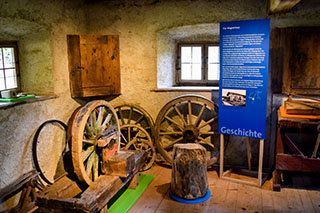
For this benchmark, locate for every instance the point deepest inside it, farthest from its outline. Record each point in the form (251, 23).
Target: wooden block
(59, 196)
(134, 182)
(57, 204)
(121, 164)
(99, 193)
(189, 171)
(302, 107)
(64, 187)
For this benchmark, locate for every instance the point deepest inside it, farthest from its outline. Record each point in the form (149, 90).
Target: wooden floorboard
(315, 199)
(249, 199)
(228, 196)
(267, 201)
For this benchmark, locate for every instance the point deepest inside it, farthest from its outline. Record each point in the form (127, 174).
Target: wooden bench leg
(276, 175)
(104, 210)
(134, 182)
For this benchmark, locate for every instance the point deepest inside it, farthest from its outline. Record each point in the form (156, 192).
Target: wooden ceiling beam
(281, 6)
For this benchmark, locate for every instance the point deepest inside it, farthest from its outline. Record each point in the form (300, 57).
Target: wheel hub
(190, 133)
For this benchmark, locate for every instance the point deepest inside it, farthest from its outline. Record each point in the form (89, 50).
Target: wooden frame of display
(223, 174)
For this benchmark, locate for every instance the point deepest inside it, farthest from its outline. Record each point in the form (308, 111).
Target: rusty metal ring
(35, 142)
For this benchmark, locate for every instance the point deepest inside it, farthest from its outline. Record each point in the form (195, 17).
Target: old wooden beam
(60, 197)
(121, 164)
(16, 186)
(281, 6)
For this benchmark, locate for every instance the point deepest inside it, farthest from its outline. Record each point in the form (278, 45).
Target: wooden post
(316, 147)
(134, 182)
(249, 153)
(221, 155)
(260, 162)
(189, 171)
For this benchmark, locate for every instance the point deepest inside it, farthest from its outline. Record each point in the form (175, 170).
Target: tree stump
(189, 171)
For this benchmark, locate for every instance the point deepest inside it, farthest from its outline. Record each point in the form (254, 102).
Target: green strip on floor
(127, 197)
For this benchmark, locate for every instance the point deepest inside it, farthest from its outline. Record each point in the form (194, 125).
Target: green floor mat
(125, 198)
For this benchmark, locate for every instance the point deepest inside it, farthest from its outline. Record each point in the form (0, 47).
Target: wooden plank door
(94, 65)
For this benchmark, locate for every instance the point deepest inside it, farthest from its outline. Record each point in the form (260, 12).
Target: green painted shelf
(17, 99)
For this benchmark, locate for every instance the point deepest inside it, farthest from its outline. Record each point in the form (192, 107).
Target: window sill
(187, 89)
(5, 105)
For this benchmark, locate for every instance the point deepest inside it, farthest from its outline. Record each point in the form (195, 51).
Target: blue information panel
(244, 56)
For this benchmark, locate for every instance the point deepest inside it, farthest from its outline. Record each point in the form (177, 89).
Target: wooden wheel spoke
(100, 116)
(139, 119)
(180, 115)
(172, 143)
(136, 136)
(196, 123)
(121, 116)
(105, 122)
(190, 112)
(88, 141)
(170, 133)
(122, 144)
(95, 167)
(87, 153)
(129, 135)
(93, 122)
(142, 140)
(135, 146)
(124, 138)
(206, 123)
(131, 142)
(130, 115)
(207, 133)
(88, 131)
(90, 164)
(148, 150)
(173, 121)
(202, 140)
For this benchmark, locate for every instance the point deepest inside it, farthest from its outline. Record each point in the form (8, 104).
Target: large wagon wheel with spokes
(134, 137)
(95, 127)
(188, 119)
(134, 114)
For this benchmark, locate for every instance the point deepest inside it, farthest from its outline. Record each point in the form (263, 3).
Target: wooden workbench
(289, 156)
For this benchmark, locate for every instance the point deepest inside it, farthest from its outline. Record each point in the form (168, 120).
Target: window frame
(204, 65)
(14, 45)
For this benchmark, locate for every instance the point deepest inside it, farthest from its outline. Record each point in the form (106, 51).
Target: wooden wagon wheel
(94, 127)
(188, 119)
(134, 114)
(134, 137)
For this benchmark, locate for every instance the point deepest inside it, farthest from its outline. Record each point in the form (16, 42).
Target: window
(197, 64)
(9, 71)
